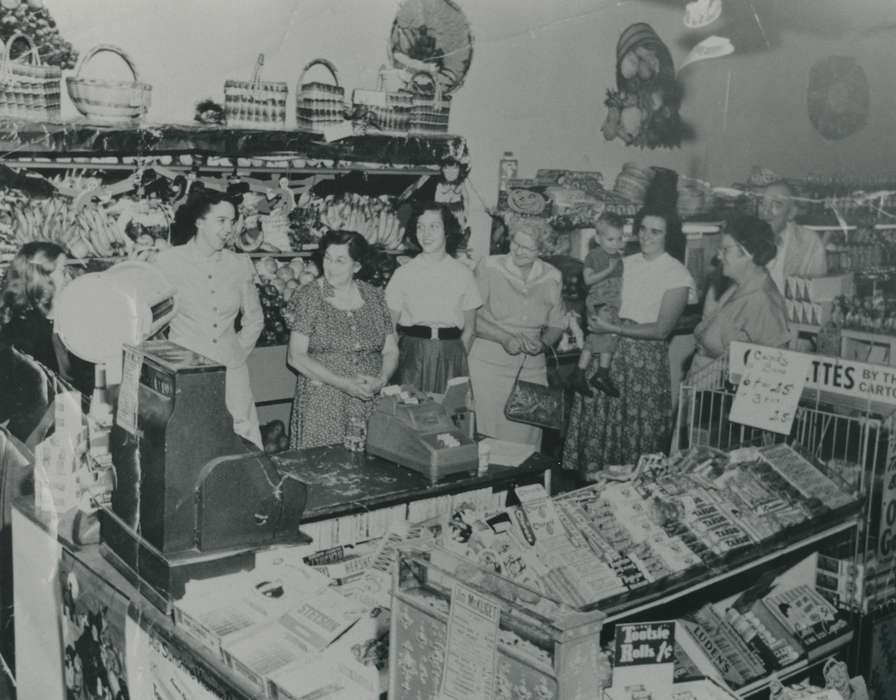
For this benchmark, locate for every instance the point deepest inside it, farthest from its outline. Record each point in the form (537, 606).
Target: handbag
(537, 404)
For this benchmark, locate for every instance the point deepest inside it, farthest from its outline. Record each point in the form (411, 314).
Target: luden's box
(545, 648)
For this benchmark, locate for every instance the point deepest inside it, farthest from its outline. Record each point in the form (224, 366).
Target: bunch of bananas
(85, 231)
(372, 217)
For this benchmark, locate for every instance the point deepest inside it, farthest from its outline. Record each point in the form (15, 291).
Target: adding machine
(433, 437)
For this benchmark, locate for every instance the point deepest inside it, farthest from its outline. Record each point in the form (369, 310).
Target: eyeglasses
(525, 248)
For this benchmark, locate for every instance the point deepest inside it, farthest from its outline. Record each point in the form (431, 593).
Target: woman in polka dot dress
(342, 344)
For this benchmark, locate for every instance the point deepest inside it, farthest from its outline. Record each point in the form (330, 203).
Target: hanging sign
(770, 389)
(857, 384)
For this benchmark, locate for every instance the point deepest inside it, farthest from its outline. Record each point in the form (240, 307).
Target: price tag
(770, 389)
(128, 391)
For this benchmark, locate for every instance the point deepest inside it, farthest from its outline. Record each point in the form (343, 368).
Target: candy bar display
(666, 519)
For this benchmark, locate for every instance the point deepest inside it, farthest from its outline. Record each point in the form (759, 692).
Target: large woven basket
(112, 101)
(382, 111)
(319, 105)
(28, 91)
(430, 107)
(255, 103)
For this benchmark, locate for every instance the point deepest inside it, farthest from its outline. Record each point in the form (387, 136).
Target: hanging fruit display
(373, 217)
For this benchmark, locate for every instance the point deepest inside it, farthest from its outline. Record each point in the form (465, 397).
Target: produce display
(372, 217)
(84, 229)
(33, 20)
(277, 281)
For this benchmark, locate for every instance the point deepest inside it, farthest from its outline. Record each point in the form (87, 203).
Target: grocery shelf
(796, 668)
(676, 591)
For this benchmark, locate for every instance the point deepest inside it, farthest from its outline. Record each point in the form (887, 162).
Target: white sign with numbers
(770, 389)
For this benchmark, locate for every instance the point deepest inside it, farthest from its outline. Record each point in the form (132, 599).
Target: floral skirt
(604, 431)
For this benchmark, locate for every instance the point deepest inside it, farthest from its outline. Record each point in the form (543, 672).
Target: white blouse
(433, 293)
(644, 282)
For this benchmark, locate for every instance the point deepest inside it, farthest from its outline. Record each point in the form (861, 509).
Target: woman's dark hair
(198, 203)
(358, 248)
(675, 240)
(454, 236)
(755, 236)
(28, 284)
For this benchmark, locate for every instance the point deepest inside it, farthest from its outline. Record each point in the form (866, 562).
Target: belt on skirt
(430, 332)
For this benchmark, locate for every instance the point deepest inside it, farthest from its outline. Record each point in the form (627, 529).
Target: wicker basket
(382, 111)
(255, 103)
(319, 105)
(113, 101)
(430, 107)
(28, 91)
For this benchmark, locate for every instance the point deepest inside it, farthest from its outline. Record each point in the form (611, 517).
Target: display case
(543, 647)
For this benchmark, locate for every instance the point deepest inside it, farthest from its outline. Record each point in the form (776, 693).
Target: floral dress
(345, 342)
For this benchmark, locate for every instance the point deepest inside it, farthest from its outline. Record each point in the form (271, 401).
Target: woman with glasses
(342, 344)
(213, 286)
(751, 309)
(656, 288)
(521, 315)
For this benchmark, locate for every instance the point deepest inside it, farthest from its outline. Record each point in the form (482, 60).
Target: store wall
(538, 78)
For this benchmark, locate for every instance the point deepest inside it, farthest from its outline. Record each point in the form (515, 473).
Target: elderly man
(801, 251)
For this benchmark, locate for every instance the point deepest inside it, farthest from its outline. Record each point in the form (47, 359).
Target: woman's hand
(596, 324)
(512, 344)
(532, 346)
(373, 384)
(356, 388)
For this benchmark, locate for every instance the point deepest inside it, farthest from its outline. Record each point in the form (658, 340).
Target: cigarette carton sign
(645, 643)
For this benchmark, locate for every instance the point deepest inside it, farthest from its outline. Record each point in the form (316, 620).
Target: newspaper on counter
(213, 609)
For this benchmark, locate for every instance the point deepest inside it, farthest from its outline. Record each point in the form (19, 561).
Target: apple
(285, 273)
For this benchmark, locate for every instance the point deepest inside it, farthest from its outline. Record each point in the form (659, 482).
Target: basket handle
(320, 62)
(35, 54)
(99, 48)
(256, 72)
(437, 86)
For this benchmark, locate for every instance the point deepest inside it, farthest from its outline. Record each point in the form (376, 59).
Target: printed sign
(645, 643)
(471, 651)
(128, 391)
(770, 389)
(872, 387)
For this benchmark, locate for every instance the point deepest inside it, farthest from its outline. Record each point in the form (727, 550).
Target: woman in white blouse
(656, 288)
(213, 286)
(433, 300)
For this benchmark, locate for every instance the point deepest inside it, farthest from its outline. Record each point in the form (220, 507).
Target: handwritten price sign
(770, 389)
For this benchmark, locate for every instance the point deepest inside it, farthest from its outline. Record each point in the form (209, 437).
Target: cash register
(192, 499)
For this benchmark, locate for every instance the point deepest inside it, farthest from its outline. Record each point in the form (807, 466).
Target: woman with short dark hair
(433, 300)
(752, 309)
(342, 344)
(656, 288)
(213, 286)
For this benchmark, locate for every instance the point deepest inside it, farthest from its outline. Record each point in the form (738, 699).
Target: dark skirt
(606, 431)
(429, 364)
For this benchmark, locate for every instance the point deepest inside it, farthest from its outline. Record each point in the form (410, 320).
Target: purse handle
(525, 357)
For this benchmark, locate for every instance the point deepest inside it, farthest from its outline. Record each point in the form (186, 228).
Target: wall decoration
(432, 36)
(643, 110)
(838, 98)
